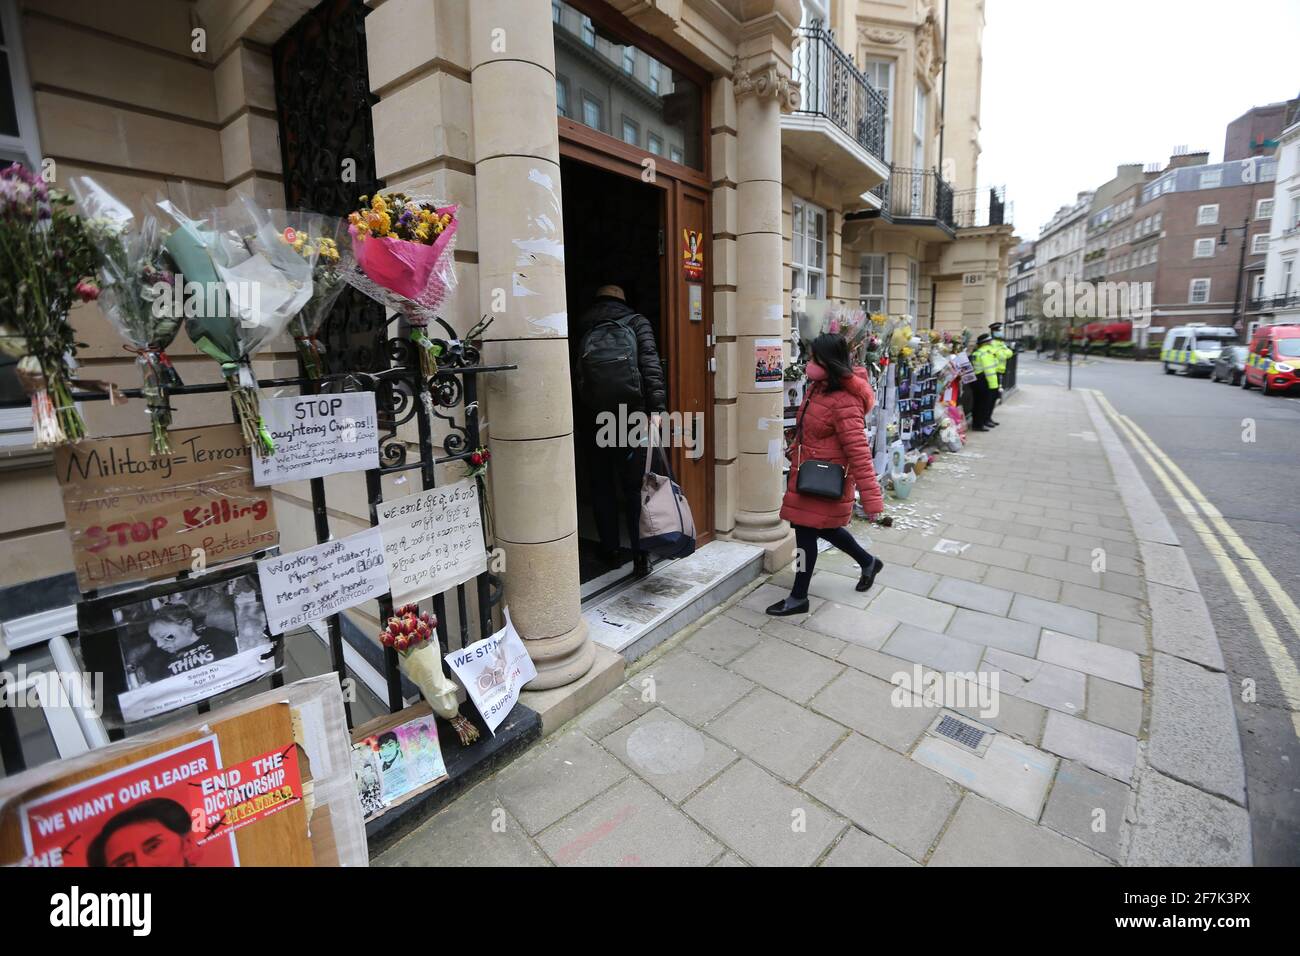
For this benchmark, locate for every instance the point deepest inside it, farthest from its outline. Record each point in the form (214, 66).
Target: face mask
(997, 335)
(815, 372)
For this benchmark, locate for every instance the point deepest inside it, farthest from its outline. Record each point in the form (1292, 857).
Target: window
(880, 73)
(1259, 243)
(1207, 215)
(675, 154)
(629, 59)
(631, 132)
(1155, 253)
(1198, 291)
(556, 6)
(1257, 287)
(562, 95)
(1211, 179)
(918, 153)
(1264, 209)
(1288, 270)
(1204, 249)
(913, 287)
(808, 249)
(655, 145)
(588, 32)
(18, 140)
(871, 283)
(654, 76)
(1295, 212)
(593, 112)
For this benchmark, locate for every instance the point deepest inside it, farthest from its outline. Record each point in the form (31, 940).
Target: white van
(1194, 348)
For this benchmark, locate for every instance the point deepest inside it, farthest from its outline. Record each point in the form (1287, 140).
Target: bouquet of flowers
(252, 282)
(48, 265)
(410, 632)
(402, 246)
(316, 239)
(137, 296)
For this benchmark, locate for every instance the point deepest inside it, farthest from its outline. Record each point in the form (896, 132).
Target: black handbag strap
(798, 425)
(663, 456)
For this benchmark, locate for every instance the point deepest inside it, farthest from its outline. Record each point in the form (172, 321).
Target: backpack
(609, 372)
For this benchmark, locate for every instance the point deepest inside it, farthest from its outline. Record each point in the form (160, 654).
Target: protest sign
(318, 435)
(236, 796)
(133, 516)
(433, 540)
(312, 584)
(493, 671)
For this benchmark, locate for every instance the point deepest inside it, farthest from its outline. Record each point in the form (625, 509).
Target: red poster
(237, 796)
(149, 813)
(693, 255)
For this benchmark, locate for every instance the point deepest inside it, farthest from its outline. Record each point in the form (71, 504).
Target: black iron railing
(916, 194)
(831, 86)
(1282, 301)
(980, 207)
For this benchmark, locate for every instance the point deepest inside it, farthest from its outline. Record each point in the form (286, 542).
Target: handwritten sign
(493, 671)
(318, 435)
(312, 584)
(133, 516)
(433, 540)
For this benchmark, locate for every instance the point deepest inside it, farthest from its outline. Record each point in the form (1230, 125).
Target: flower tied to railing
(410, 632)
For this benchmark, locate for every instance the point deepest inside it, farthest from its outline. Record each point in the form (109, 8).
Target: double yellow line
(1217, 541)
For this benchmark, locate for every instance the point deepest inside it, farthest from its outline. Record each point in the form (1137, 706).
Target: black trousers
(805, 541)
(985, 396)
(615, 473)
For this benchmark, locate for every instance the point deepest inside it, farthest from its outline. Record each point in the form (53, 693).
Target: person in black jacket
(620, 466)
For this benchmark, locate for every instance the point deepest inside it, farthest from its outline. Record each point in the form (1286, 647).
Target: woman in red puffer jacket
(832, 420)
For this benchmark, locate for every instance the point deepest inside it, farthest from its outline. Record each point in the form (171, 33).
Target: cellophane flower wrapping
(137, 296)
(252, 285)
(402, 246)
(48, 266)
(325, 243)
(423, 665)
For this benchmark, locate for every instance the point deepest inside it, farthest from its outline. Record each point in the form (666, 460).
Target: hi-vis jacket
(1003, 352)
(984, 360)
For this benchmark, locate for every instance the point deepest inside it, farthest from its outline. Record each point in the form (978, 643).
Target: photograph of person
(154, 833)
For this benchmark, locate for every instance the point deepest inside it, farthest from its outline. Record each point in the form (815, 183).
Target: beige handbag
(667, 529)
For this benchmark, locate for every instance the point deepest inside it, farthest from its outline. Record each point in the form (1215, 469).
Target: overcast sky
(1072, 88)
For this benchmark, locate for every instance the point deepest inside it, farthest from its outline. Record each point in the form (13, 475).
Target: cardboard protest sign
(433, 540)
(493, 671)
(136, 517)
(312, 584)
(318, 435)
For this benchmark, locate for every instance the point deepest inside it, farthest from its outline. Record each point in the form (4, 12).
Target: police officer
(984, 360)
(1003, 352)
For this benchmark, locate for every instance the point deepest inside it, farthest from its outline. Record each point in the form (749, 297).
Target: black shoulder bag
(820, 479)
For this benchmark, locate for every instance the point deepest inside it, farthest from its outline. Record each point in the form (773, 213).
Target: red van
(1273, 362)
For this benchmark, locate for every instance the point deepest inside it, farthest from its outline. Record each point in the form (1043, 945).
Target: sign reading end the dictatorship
(493, 671)
(433, 540)
(312, 584)
(318, 435)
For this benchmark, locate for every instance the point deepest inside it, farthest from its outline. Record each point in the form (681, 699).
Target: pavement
(1032, 680)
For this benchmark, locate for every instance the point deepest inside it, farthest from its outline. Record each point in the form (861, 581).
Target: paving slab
(763, 820)
(806, 638)
(968, 594)
(911, 609)
(874, 708)
(723, 639)
(852, 624)
(1101, 601)
(669, 754)
(628, 825)
(1035, 585)
(614, 710)
(863, 850)
(467, 832)
(937, 650)
(1091, 657)
(1089, 807)
(991, 630)
(780, 736)
(1057, 616)
(1011, 715)
(983, 834)
(765, 595)
(1167, 564)
(839, 588)
(1178, 825)
(790, 671)
(1181, 626)
(744, 615)
(549, 783)
(694, 689)
(902, 578)
(954, 567)
(888, 795)
(1114, 705)
(1101, 748)
(1124, 634)
(1038, 681)
(1010, 773)
(1194, 734)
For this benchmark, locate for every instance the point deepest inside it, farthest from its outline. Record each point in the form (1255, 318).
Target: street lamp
(1238, 320)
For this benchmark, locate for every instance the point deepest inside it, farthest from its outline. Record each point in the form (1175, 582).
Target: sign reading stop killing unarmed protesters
(433, 540)
(133, 516)
(318, 435)
(312, 584)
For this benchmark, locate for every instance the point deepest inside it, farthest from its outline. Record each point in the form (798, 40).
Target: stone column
(521, 285)
(762, 89)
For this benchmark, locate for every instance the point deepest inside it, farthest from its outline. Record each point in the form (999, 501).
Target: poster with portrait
(769, 363)
(390, 764)
(173, 645)
(693, 255)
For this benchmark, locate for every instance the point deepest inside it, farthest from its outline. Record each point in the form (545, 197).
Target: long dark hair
(831, 352)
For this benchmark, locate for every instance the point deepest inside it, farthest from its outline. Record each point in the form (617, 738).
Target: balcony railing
(980, 207)
(1270, 302)
(916, 194)
(832, 87)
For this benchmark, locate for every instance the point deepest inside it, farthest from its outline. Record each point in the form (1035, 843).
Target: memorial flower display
(402, 246)
(410, 632)
(316, 239)
(47, 264)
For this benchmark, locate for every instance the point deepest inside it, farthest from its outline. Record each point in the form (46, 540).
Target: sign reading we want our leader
(133, 516)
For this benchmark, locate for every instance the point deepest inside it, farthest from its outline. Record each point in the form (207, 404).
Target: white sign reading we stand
(493, 671)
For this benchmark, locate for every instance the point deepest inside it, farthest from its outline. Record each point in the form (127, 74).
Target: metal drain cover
(963, 733)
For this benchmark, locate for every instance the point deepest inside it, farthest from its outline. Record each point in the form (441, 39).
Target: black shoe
(993, 424)
(869, 577)
(979, 428)
(788, 607)
(641, 566)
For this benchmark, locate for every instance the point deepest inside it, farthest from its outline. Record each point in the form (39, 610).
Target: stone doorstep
(559, 705)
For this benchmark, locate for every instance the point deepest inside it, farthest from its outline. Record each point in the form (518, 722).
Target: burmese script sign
(136, 517)
(433, 540)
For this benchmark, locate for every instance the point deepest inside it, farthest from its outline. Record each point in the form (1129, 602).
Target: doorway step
(634, 618)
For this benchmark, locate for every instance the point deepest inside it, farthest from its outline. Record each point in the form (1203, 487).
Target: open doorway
(612, 235)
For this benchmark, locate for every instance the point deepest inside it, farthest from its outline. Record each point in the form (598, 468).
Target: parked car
(1194, 348)
(1230, 365)
(1273, 362)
